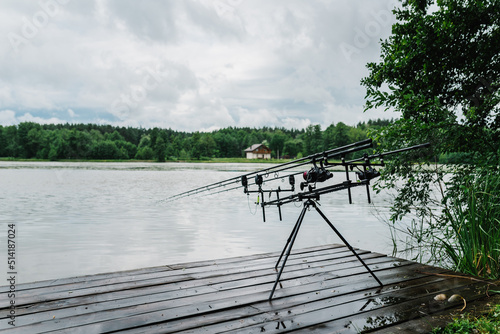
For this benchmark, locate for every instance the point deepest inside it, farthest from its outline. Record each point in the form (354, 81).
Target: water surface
(86, 218)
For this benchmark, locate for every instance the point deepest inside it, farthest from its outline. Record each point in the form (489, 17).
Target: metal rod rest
(291, 240)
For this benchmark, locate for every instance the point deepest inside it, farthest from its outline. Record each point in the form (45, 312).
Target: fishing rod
(310, 190)
(364, 176)
(364, 169)
(275, 169)
(254, 182)
(310, 194)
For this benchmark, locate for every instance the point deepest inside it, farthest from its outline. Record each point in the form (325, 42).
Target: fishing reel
(368, 171)
(368, 174)
(315, 174)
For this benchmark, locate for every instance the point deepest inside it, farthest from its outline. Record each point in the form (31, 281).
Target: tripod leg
(348, 245)
(301, 216)
(290, 245)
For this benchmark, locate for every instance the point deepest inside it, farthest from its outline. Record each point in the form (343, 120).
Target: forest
(30, 140)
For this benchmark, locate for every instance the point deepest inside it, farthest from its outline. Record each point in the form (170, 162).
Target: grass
(463, 234)
(472, 237)
(465, 324)
(204, 160)
(20, 159)
(243, 160)
(466, 238)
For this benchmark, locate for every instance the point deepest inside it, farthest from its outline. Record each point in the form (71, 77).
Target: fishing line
(249, 207)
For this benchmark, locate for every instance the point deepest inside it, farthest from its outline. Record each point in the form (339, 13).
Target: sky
(189, 65)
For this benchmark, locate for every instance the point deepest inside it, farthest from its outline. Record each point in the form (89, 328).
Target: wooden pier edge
(324, 289)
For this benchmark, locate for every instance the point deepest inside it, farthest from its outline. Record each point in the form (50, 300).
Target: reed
(471, 237)
(462, 233)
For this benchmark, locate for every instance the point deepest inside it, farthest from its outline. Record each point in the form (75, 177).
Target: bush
(463, 234)
(106, 149)
(145, 153)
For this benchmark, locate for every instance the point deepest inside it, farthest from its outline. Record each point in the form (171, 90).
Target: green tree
(312, 139)
(278, 143)
(58, 146)
(195, 147)
(160, 149)
(440, 71)
(336, 136)
(114, 136)
(176, 142)
(293, 147)
(153, 135)
(145, 141)
(107, 149)
(96, 135)
(227, 144)
(356, 134)
(29, 143)
(144, 153)
(250, 139)
(206, 145)
(79, 142)
(53, 152)
(128, 150)
(3, 142)
(12, 147)
(36, 143)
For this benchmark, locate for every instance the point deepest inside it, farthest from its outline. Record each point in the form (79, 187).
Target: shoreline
(214, 160)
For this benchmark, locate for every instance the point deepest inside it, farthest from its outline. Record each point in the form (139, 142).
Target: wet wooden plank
(171, 282)
(97, 278)
(294, 300)
(419, 306)
(177, 290)
(127, 281)
(141, 307)
(216, 282)
(218, 308)
(164, 271)
(324, 289)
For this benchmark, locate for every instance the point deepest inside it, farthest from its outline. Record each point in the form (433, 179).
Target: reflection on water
(84, 218)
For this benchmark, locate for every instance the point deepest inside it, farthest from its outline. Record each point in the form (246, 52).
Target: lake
(76, 218)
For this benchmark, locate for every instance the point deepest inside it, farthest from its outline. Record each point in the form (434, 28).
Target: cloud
(7, 117)
(191, 65)
(30, 118)
(295, 123)
(257, 118)
(153, 20)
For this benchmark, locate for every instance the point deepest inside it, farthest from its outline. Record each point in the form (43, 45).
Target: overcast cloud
(189, 65)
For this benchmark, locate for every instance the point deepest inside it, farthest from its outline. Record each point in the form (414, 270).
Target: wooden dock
(324, 290)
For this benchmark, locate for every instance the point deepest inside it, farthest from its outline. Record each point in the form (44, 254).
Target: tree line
(29, 140)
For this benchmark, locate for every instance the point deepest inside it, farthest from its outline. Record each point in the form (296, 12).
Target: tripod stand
(291, 239)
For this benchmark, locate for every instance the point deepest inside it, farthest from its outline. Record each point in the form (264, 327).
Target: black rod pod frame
(310, 193)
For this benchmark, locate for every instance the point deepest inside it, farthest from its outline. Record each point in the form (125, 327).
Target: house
(258, 151)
